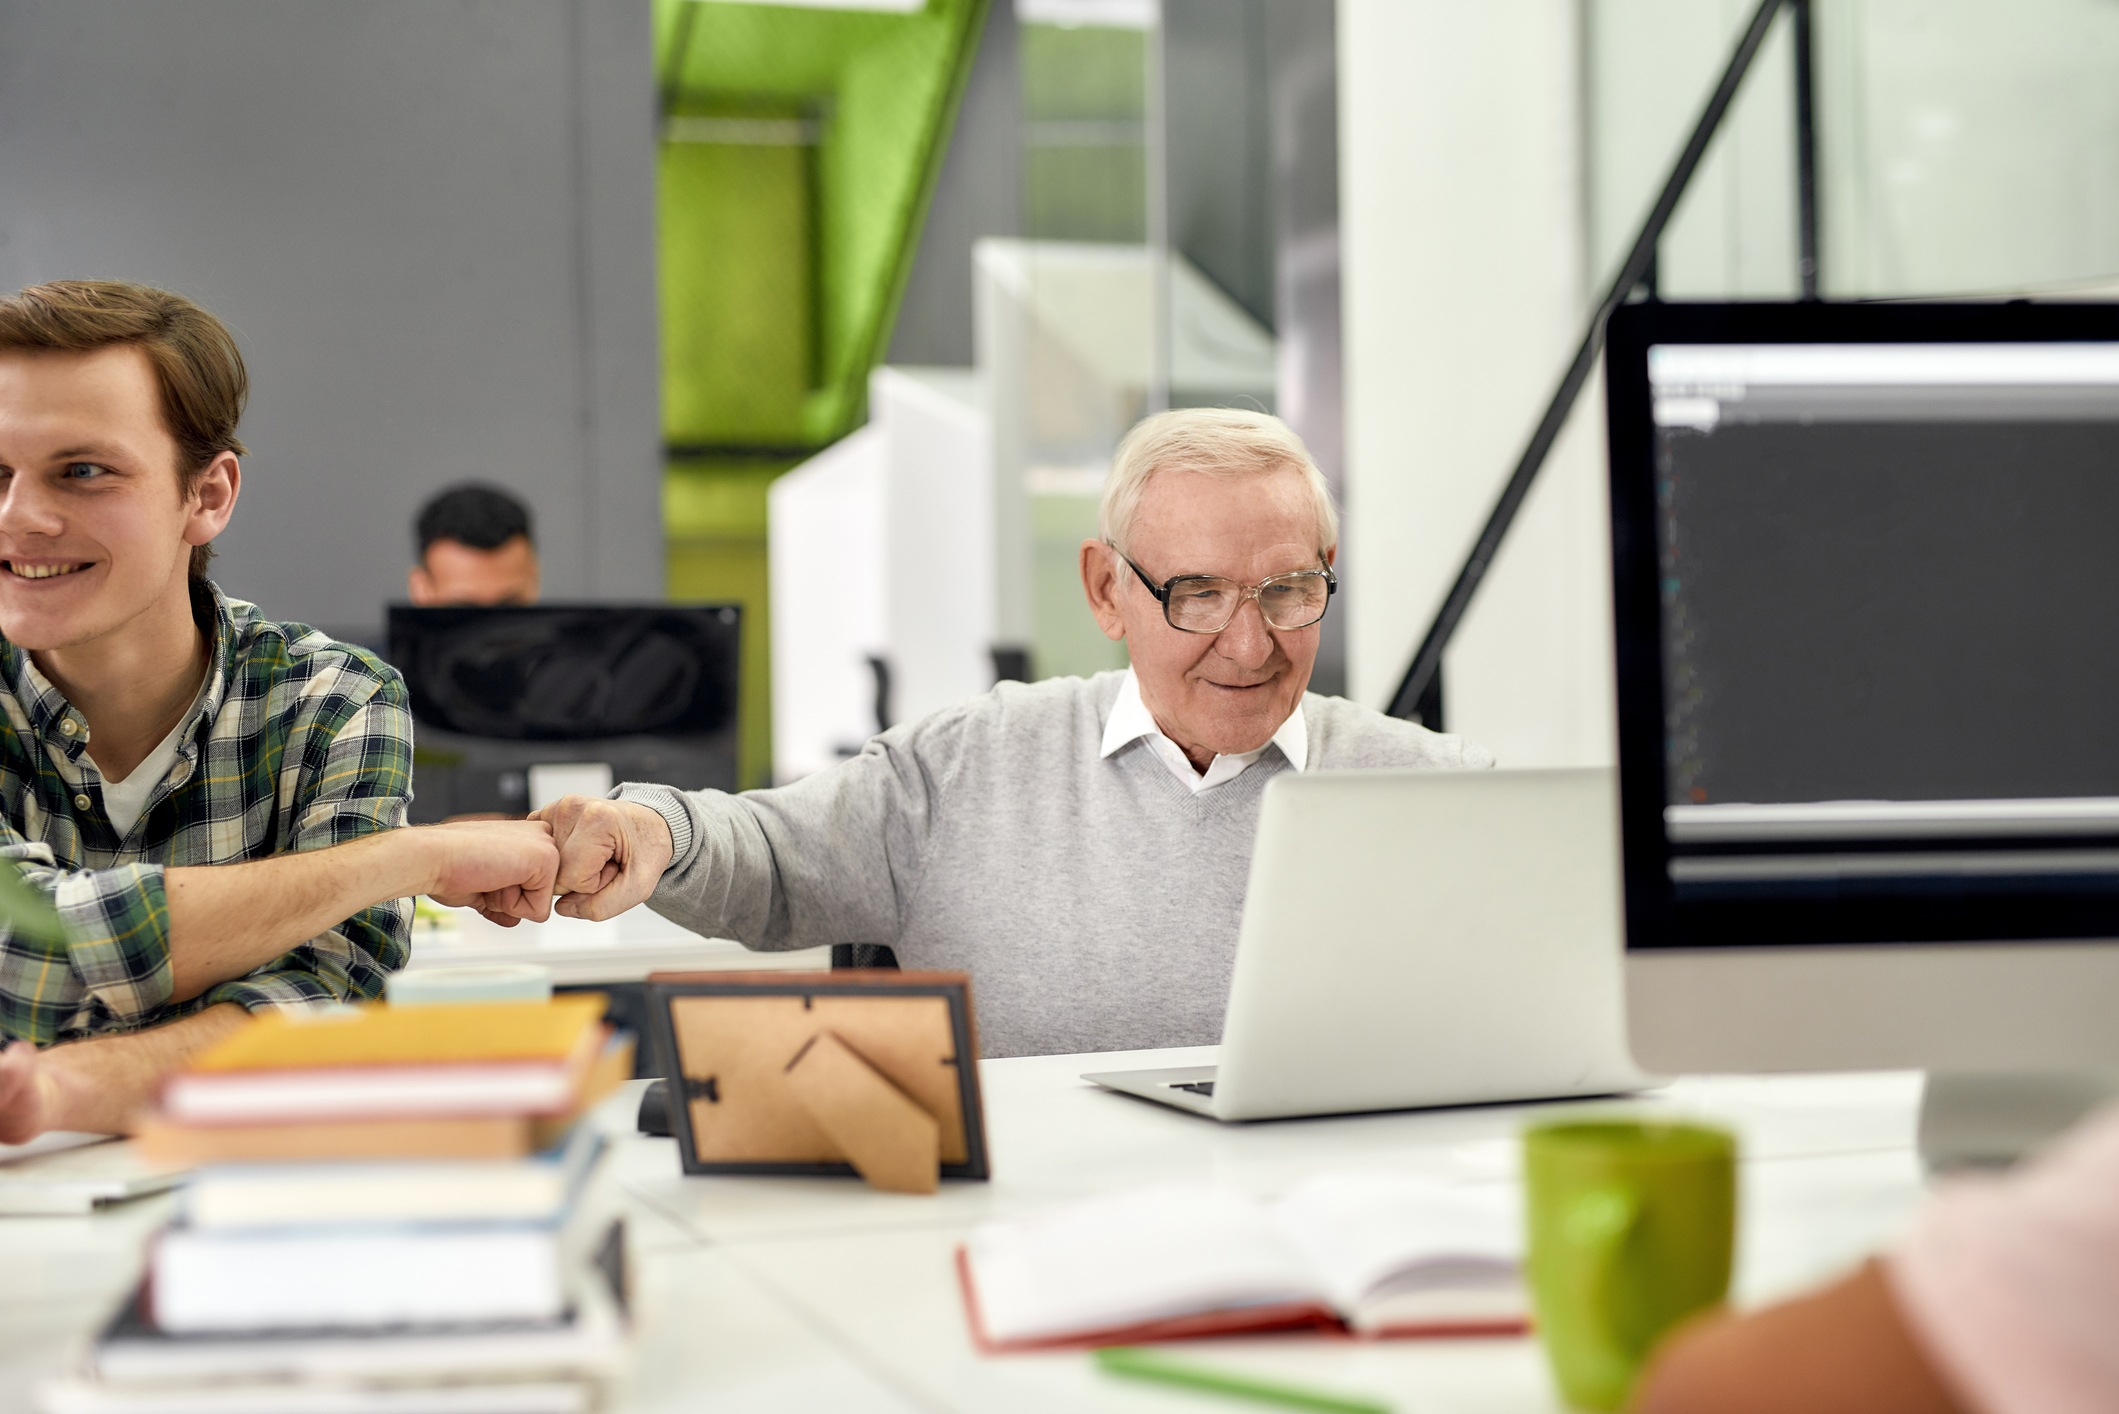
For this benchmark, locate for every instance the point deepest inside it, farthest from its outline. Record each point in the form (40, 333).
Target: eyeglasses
(1207, 603)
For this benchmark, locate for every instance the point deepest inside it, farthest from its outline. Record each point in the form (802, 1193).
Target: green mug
(1632, 1229)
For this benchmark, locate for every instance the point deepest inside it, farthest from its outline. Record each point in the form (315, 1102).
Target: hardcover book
(1375, 1254)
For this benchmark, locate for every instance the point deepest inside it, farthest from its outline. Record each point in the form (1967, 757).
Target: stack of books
(392, 1212)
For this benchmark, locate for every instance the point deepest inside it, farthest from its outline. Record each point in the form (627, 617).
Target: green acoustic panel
(714, 514)
(737, 317)
(850, 114)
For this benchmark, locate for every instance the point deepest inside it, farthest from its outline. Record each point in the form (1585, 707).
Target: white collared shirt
(1131, 720)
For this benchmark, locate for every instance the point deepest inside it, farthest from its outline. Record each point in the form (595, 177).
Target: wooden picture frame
(762, 1064)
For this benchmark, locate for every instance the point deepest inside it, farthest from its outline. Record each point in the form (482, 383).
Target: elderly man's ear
(1100, 569)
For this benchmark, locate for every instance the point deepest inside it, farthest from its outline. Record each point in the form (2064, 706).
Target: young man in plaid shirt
(210, 800)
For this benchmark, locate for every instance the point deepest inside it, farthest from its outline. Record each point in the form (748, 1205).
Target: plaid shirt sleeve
(113, 966)
(358, 782)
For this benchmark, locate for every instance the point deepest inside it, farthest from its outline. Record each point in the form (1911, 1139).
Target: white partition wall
(938, 510)
(881, 550)
(825, 550)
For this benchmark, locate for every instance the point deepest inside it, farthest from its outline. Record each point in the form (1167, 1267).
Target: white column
(1463, 230)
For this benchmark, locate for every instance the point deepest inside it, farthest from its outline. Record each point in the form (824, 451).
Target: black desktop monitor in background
(649, 689)
(1866, 567)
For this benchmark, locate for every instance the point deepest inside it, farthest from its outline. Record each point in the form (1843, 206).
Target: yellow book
(382, 1063)
(385, 1035)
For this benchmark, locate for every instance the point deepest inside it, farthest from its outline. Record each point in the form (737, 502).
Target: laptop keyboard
(1197, 1087)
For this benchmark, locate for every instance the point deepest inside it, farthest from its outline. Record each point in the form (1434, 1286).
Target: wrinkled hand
(611, 854)
(26, 1099)
(504, 869)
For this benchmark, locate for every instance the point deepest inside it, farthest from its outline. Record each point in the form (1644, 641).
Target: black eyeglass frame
(1163, 591)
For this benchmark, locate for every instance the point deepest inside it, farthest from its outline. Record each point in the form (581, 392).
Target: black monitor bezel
(1652, 922)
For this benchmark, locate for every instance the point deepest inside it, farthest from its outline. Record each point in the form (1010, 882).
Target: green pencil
(1136, 1363)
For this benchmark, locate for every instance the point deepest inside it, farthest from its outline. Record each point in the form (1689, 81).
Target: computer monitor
(1866, 561)
(648, 689)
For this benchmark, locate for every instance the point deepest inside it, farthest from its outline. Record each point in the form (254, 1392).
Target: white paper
(50, 1142)
(71, 1173)
(1365, 1232)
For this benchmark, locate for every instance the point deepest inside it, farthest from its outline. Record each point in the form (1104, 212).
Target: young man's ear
(213, 499)
(1100, 583)
(419, 587)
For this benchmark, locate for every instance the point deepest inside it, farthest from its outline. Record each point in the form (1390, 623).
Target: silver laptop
(1415, 938)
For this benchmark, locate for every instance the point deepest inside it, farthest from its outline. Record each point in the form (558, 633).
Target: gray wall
(979, 192)
(431, 227)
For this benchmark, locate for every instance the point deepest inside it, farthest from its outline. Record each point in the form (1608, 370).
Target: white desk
(820, 1294)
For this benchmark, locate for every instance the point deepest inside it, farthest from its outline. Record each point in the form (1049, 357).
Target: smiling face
(1212, 693)
(95, 533)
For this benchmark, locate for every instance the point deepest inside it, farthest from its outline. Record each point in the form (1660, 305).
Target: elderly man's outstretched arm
(830, 858)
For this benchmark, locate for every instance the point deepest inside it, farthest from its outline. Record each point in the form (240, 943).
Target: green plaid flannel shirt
(297, 742)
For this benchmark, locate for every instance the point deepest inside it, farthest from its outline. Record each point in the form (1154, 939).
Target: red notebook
(1368, 1254)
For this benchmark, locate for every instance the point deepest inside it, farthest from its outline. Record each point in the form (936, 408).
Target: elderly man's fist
(611, 854)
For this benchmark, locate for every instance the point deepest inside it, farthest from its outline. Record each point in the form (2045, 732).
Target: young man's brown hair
(197, 365)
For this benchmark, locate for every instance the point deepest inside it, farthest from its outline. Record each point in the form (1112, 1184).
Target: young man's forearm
(102, 1085)
(228, 920)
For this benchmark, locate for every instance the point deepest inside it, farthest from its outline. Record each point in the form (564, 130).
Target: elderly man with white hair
(1079, 847)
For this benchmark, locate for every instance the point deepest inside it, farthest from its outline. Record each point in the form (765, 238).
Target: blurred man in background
(475, 547)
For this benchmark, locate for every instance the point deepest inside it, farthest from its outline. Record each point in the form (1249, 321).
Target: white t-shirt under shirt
(2011, 1283)
(125, 801)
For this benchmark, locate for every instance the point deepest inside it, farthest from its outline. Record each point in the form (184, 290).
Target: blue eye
(84, 471)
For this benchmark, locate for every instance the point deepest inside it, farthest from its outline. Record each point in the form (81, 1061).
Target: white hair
(1219, 442)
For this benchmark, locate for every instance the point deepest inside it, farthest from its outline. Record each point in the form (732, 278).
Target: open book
(1380, 1254)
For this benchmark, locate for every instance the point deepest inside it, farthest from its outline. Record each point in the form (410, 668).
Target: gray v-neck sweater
(1094, 901)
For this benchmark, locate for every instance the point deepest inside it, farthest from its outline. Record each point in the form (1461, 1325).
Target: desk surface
(800, 1294)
